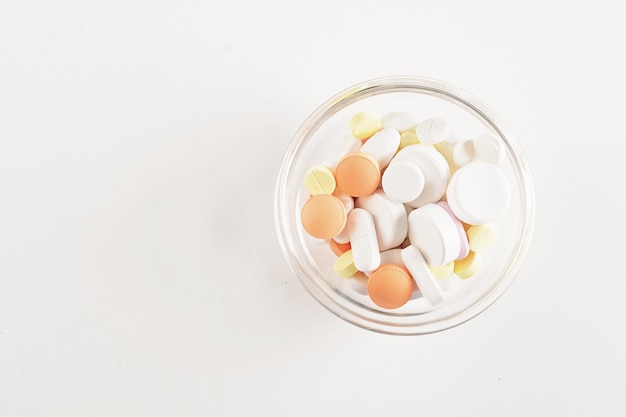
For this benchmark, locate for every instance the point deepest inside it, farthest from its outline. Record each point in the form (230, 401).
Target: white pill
(434, 167)
(363, 240)
(347, 200)
(463, 152)
(463, 240)
(488, 148)
(382, 145)
(358, 283)
(433, 130)
(478, 193)
(343, 236)
(343, 147)
(432, 231)
(425, 280)
(391, 256)
(403, 181)
(399, 120)
(389, 218)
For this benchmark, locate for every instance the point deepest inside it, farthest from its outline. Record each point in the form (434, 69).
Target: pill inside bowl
(404, 178)
(418, 191)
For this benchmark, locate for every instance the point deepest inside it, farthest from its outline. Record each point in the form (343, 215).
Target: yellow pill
(468, 266)
(480, 237)
(443, 271)
(344, 265)
(320, 180)
(408, 138)
(364, 124)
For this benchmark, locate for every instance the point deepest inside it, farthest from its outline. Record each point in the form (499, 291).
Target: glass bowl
(312, 260)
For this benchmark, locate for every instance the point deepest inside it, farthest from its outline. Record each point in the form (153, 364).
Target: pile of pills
(403, 205)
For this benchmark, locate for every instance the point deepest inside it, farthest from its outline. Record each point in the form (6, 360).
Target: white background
(140, 273)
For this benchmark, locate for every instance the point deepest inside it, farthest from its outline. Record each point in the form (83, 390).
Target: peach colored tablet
(323, 216)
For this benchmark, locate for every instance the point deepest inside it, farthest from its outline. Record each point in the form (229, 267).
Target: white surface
(140, 274)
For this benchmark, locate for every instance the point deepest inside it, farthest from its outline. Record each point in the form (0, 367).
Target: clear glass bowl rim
(317, 287)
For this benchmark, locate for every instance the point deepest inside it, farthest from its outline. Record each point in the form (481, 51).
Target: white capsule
(425, 280)
(363, 240)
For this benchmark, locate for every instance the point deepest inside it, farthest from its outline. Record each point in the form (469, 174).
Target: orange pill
(339, 248)
(390, 286)
(323, 216)
(358, 174)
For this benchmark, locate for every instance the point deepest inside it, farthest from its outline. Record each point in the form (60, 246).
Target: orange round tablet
(339, 248)
(323, 216)
(390, 286)
(358, 174)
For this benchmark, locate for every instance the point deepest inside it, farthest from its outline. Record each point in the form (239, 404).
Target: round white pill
(403, 181)
(382, 145)
(488, 148)
(434, 167)
(390, 218)
(433, 232)
(433, 130)
(425, 280)
(399, 120)
(478, 193)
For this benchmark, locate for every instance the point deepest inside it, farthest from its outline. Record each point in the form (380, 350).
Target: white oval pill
(382, 146)
(389, 218)
(478, 193)
(399, 120)
(463, 239)
(363, 240)
(433, 130)
(488, 148)
(425, 280)
(403, 181)
(434, 167)
(432, 231)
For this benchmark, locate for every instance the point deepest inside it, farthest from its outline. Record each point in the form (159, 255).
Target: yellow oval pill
(408, 138)
(320, 180)
(480, 237)
(443, 271)
(344, 265)
(468, 266)
(364, 124)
